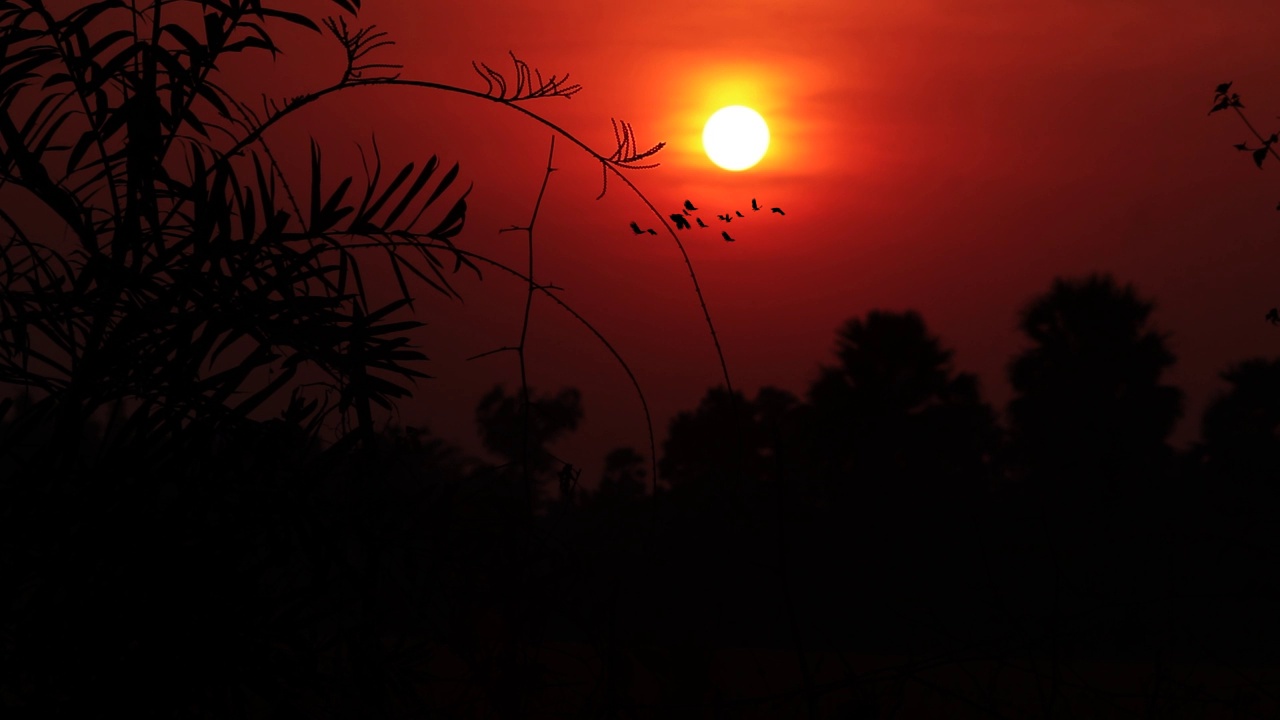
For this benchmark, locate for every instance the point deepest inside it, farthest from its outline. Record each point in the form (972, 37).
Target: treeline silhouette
(274, 577)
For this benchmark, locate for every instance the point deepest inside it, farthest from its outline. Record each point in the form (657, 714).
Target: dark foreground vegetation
(203, 514)
(879, 548)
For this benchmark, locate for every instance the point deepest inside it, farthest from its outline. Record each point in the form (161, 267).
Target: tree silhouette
(893, 418)
(1089, 408)
(500, 419)
(1240, 430)
(727, 439)
(623, 478)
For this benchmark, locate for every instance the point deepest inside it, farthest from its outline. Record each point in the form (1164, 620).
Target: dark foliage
(193, 290)
(623, 480)
(500, 419)
(894, 420)
(1090, 411)
(1240, 430)
(728, 439)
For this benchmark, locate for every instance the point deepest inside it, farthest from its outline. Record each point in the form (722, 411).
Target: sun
(735, 137)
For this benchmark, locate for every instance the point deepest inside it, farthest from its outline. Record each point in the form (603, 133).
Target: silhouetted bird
(754, 206)
(739, 212)
(635, 228)
(726, 217)
(779, 211)
(1274, 316)
(688, 205)
(700, 223)
(681, 223)
(651, 231)
(725, 233)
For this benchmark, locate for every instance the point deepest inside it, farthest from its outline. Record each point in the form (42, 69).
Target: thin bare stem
(524, 332)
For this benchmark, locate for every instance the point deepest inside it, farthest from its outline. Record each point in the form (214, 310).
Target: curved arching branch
(607, 162)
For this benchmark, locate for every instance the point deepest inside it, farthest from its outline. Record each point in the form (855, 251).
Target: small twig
(357, 45)
(495, 351)
(526, 88)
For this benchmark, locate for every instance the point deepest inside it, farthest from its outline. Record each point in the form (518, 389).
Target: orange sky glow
(949, 156)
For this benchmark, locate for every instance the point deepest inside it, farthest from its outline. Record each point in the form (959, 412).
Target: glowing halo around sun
(735, 137)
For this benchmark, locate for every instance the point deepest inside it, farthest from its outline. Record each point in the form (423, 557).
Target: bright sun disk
(735, 137)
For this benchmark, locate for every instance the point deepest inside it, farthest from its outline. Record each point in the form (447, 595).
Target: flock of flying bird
(681, 219)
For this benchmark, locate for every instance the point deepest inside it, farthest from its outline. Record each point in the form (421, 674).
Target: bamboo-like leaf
(16, 72)
(330, 214)
(181, 78)
(452, 223)
(209, 92)
(182, 112)
(232, 337)
(214, 34)
(441, 287)
(418, 184)
(80, 19)
(344, 264)
(55, 79)
(247, 214)
(445, 183)
(289, 17)
(219, 206)
(33, 124)
(366, 218)
(266, 189)
(396, 327)
(115, 120)
(383, 311)
(193, 47)
(106, 41)
(400, 282)
(113, 69)
(371, 179)
(254, 401)
(39, 132)
(315, 185)
(252, 41)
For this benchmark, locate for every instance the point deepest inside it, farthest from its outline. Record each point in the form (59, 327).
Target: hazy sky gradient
(952, 157)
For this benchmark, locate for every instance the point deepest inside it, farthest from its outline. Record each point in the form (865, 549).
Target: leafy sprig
(529, 84)
(1224, 99)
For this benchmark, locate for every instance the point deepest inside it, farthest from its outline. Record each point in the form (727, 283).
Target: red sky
(947, 156)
